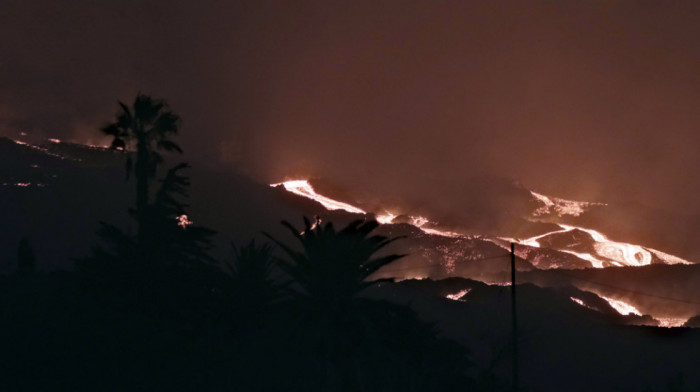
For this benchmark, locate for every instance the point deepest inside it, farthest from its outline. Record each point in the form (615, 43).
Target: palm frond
(146, 108)
(165, 124)
(168, 145)
(334, 265)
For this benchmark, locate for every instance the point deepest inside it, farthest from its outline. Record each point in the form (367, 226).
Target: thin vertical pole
(514, 317)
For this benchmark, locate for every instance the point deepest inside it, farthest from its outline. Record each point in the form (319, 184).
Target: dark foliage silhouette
(333, 267)
(152, 310)
(162, 262)
(147, 127)
(253, 281)
(353, 342)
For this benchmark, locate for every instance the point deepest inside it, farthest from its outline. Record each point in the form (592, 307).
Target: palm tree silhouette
(334, 265)
(147, 126)
(327, 314)
(254, 287)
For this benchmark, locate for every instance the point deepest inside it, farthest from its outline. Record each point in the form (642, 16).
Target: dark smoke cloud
(589, 100)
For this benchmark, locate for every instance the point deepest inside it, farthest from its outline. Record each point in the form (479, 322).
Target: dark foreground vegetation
(152, 310)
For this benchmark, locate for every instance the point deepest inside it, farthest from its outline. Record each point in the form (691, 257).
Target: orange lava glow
(561, 206)
(458, 295)
(578, 301)
(606, 250)
(386, 218)
(669, 322)
(42, 149)
(622, 307)
(303, 188)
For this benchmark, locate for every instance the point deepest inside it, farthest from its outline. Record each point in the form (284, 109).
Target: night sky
(591, 100)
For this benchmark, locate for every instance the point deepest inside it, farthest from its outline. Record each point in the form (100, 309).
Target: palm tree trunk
(141, 173)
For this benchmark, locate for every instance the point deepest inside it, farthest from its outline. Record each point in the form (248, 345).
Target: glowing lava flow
(533, 241)
(624, 253)
(622, 307)
(626, 309)
(578, 301)
(561, 206)
(420, 222)
(42, 149)
(669, 322)
(303, 188)
(386, 218)
(458, 295)
(606, 250)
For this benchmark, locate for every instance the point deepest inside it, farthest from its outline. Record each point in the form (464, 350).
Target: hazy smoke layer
(587, 100)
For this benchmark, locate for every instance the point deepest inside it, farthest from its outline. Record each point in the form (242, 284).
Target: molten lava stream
(304, 188)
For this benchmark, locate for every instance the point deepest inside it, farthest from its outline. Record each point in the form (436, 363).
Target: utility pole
(514, 317)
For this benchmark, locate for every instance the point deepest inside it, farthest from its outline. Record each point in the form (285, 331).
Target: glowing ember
(458, 295)
(313, 226)
(622, 307)
(55, 140)
(183, 221)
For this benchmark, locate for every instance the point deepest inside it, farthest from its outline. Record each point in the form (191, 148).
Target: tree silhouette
(334, 265)
(166, 238)
(147, 126)
(252, 276)
(349, 340)
(162, 240)
(163, 261)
